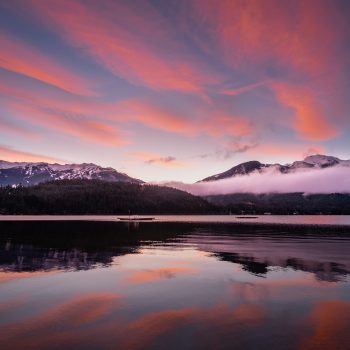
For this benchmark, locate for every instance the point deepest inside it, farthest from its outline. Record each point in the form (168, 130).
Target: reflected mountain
(64, 245)
(248, 263)
(330, 272)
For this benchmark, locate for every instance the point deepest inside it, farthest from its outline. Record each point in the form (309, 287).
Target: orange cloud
(127, 52)
(11, 155)
(147, 276)
(310, 120)
(20, 57)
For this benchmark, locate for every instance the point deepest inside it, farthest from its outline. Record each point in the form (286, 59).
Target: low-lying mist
(329, 180)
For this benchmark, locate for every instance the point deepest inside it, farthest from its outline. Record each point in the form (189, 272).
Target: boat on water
(137, 219)
(246, 217)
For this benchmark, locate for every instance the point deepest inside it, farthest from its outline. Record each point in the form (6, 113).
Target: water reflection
(100, 285)
(35, 246)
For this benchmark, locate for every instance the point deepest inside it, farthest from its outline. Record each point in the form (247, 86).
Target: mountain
(241, 169)
(29, 174)
(311, 162)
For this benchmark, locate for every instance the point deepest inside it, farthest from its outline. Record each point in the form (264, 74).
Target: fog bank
(329, 180)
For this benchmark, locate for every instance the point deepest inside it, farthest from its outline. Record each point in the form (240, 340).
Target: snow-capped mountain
(15, 173)
(311, 162)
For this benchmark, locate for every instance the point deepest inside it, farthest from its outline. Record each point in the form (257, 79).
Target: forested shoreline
(97, 197)
(80, 197)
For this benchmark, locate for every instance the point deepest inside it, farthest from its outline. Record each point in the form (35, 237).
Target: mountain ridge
(316, 161)
(28, 173)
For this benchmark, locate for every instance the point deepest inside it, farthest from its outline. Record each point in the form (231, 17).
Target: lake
(181, 282)
(260, 219)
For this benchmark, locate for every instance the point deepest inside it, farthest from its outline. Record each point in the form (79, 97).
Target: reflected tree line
(47, 245)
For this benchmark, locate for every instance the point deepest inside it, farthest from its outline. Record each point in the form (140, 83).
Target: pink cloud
(226, 124)
(12, 155)
(155, 116)
(102, 33)
(310, 120)
(74, 115)
(90, 130)
(160, 160)
(19, 57)
(75, 109)
(302, 39)
(289, 151)
(242, 89)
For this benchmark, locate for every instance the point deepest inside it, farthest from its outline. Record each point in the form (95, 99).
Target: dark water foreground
(109, 285)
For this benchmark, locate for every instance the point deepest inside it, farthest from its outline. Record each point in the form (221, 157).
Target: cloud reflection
(158, 274)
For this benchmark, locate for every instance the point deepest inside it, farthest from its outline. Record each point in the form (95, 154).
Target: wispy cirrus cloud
(79, 111)
(301, 40)
(220, 124)
(15, 129)
(310, 119)
(160, 160)
(72, 124)
(235, 91)
(20, 57)
(155, 116)
(271, 75)
(122, 48)
(12, 155)
(75, 116)
(235, 147)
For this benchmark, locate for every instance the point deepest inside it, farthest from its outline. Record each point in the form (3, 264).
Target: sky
(174, 89)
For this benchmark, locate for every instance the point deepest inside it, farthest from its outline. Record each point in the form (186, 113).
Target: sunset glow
(173, 90)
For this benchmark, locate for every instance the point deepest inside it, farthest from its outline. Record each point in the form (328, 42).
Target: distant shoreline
(276, 220)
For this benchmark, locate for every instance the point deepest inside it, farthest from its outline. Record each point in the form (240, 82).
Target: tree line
(79, 197)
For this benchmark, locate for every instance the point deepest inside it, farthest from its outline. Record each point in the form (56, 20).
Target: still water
(172, 285)
(262, 219)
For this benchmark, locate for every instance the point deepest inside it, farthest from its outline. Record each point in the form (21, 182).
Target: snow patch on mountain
(254, 167)
(33, 173)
